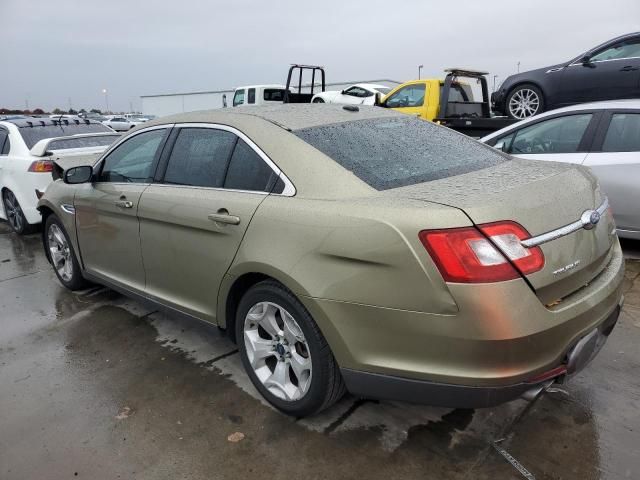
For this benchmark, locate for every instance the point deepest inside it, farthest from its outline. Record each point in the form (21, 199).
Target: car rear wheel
(15, 216)
(61, 254)
(284, 353)
(318, 100)
(525, 101)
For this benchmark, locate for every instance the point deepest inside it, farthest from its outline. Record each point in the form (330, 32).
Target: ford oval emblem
(590, 219)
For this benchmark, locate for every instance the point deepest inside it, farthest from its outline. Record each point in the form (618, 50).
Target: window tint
(251, 95)
(248, 171)
(358, 92)
(626, 49)
(4, 142)
(623, 134)
(409, 96)
(394, 152)
(199, 157)
(238, 98)
(132, 160)
(32, 135)
(273, 94)
(557, 135)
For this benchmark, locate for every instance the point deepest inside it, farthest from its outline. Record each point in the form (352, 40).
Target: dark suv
(609, 71)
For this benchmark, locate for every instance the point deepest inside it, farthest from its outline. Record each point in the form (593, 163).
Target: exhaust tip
(533, 392)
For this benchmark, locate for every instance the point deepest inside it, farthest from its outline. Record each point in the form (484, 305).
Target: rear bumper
(497, 102)
(388, 387)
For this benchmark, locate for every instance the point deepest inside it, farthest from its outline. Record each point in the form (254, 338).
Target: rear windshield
(32, 135)
(83, 142)
(395, 152)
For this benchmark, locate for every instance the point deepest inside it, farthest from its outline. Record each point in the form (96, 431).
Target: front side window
(395, 152)
(358, 92)
(626, 49)
(238, 98)
(251, 95)
(248, 171)
(200, 157)
(409, 96)
(133, 160)
(557, 135)
(623, 134)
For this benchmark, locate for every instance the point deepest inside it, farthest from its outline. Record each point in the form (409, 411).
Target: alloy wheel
(60, 252)
(524, 103)
(13, 210)
(277, 351)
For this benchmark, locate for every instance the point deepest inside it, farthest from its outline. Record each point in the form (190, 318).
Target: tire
(524, 101)
(318, 100)
(304, 392)
(15, 216)
(61, 255)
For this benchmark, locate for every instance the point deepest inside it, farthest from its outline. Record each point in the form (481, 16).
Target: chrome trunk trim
(588, 220)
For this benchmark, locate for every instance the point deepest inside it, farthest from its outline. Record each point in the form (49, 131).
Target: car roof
(271, 85)
(287, 116)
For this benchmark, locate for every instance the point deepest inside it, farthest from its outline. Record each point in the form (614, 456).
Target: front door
(612, 73)
(409, 99)
(106, 210)
(193, 219)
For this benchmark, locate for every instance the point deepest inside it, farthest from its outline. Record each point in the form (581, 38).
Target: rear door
(106, 210)
(615, 160)
(194, 217)
(560, 138)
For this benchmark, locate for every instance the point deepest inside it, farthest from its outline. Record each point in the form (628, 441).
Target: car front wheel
(284, 353)
(318, 100)
(61, 254)
(525, 101)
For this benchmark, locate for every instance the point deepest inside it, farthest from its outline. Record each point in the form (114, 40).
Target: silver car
(604, 136)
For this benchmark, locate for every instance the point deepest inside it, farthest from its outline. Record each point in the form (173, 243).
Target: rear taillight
(41, 166)
(469, 254)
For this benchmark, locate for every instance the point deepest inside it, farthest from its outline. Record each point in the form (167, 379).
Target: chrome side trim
(588, 220)
(70, 209)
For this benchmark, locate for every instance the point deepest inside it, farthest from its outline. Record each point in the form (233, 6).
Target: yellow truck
(449, 102)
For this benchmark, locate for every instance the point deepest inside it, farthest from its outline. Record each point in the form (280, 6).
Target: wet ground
(96, 386)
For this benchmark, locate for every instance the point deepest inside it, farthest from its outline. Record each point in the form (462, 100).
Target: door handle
(628, 68)
(223, 217)
(124, 204)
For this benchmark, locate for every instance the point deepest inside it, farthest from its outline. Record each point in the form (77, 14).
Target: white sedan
(121, 124)
(358, 94)
(28, 149)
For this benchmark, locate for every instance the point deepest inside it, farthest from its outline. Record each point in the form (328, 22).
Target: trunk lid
(542, 197)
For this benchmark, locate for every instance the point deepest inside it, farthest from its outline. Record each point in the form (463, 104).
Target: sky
(66, 52)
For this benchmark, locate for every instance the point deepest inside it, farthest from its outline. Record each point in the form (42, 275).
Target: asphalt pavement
(96, 386)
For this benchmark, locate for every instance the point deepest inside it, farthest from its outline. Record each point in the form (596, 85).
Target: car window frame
(596, 51)
(97, 168)
(289, 188)
(603, 127)
(586, 141)
(406, 87)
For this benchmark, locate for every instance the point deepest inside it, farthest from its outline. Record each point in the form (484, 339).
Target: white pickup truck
(258, 95)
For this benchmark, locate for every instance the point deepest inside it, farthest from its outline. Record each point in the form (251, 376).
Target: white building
(170, 103)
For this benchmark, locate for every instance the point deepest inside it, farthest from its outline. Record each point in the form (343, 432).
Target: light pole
(518, 67)
(106, 99)
(420, 67)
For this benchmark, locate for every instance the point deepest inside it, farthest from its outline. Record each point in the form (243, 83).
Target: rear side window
(389, 153)
(4, 142)
(248, 171)
(623, 134)
(273, 94)
(199, 157)
(251, 95)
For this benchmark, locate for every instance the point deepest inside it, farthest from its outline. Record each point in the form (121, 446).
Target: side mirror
(502, 146)
(377, 101)
(585, 60)
(77, 175)
(342, 92)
